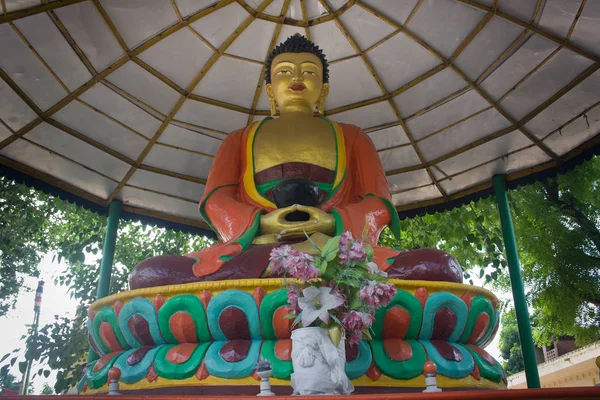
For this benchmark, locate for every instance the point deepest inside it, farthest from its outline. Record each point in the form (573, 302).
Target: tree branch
(569, 208)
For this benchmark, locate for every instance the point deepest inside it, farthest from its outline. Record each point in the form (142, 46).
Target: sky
(57, 301)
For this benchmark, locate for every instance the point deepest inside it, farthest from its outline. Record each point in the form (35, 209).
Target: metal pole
(108, 256)
(36, 320)
(514, 269)
(108, 251)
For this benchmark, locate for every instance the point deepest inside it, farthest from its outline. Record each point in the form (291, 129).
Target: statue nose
(297, 76)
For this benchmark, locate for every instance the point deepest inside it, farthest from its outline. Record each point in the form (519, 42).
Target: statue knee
(427, 265)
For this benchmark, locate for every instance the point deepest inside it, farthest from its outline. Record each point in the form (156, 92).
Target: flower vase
(318, 363)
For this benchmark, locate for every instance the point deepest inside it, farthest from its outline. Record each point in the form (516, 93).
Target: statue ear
(271, 96)
(269, 90)
(323, 98)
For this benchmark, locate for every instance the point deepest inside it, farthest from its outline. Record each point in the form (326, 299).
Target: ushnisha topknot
(297, 44)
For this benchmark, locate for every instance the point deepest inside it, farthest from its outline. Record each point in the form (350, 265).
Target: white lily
(316, 303)
(374, 269)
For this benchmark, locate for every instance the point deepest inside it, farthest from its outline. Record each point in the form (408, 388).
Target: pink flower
(292, 296)
(378, 294)
(354, 323)
(351, 251)
(278, 257)
(300, 266)
(354, 337)
(356, 320)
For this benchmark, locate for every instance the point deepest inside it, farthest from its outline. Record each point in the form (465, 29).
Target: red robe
(231, 207)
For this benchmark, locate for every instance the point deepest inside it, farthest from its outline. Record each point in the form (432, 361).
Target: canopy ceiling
(129, 100)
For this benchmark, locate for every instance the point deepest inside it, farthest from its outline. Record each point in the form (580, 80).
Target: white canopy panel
(130, 100)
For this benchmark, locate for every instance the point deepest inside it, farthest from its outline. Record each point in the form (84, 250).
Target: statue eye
(309, 73)
(283, 72)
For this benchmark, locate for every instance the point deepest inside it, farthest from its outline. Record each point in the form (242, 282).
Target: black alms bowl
(296, 191)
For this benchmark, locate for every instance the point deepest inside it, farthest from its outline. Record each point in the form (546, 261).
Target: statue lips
(297, 87)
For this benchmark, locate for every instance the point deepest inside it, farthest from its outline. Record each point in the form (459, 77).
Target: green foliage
(471, 233)
(510, 345)
(23, 225)
(32, 224)
(47, 389)
(557, 224)
(9, 381)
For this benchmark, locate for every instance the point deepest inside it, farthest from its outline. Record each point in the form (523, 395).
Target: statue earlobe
(272, 104)
(322, 99)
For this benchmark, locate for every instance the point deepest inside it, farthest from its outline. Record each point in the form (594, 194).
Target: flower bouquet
(336, 291)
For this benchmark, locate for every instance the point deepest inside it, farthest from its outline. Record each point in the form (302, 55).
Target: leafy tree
(23, 223)
(47, 389)
(9, 381)
(76, 236)
(557, 232)
(510, 345)
(557, 224)
(471, 233)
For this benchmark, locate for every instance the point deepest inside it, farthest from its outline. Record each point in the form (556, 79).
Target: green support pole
(108, 251)
(514, 269)
(108, 256)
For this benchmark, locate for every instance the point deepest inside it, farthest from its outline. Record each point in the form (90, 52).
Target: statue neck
(296, 111)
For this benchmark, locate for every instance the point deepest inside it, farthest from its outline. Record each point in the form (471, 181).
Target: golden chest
(311, 142)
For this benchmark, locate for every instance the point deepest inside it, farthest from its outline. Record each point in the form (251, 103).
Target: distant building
(563, 365)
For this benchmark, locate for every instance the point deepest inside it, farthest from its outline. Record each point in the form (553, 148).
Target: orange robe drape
(361, 202)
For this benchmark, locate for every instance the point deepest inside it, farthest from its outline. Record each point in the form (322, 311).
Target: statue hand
(319, 221)
(275, 222)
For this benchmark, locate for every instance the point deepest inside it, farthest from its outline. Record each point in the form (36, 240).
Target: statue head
(297, 76)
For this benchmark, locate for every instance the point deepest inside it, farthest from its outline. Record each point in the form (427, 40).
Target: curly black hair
(297, 44)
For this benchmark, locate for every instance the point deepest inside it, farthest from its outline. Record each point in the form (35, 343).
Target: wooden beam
(261, 77)
(595, 141)
(39, 57)
(148, 109)
(198, 129)
(111, 68)
(65, 33)
(177, 175)
(102, 147)
(159, 76)
(50, 180)
(386, 96)
(529, 26)
(471, 84)
(50, 151)
(199, 153)
(116, 121)
(219, 103)
(15, 15)
(143, 189)
(111, 26)
(165, 217)
(13, 85)
(305, 23)
(236, 33)
(6, 126)
(305, 18)
(385, 93)
(569, 122)
(585, 74)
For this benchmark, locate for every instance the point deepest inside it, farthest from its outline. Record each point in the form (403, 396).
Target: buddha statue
(295, 179)
(204, 320)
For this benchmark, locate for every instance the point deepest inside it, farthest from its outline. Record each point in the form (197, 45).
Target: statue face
(296, 80)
